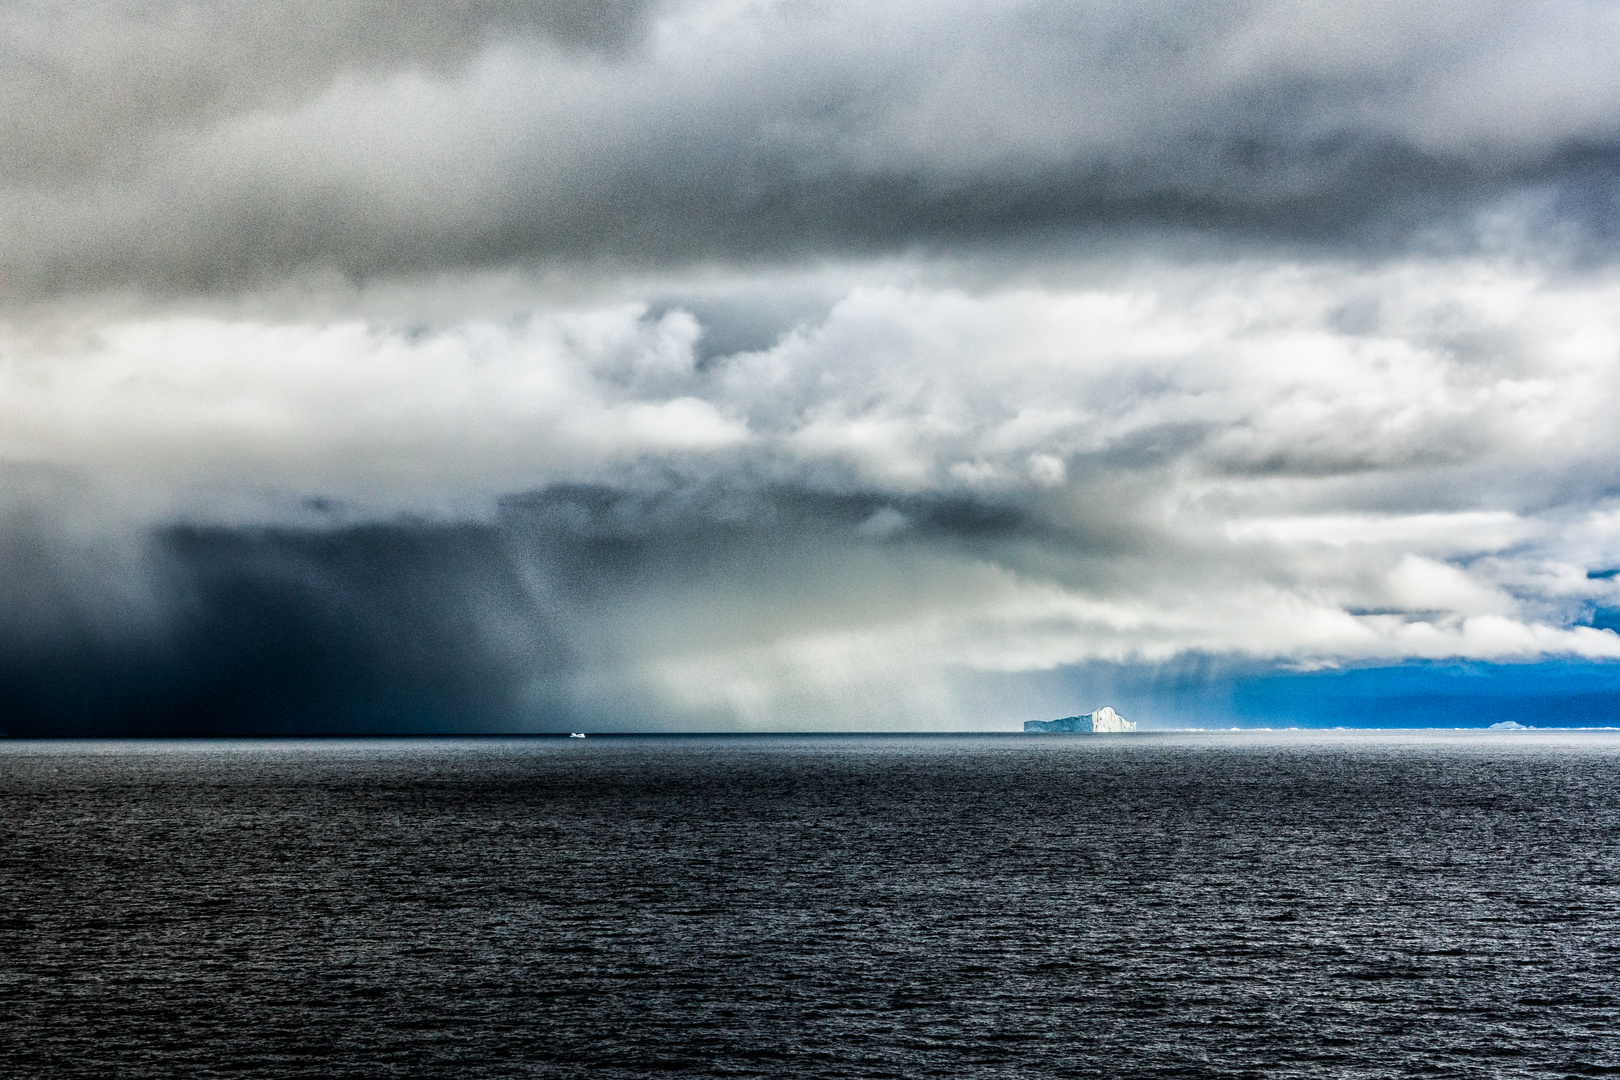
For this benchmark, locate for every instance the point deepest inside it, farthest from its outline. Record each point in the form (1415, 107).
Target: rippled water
(1151, 905)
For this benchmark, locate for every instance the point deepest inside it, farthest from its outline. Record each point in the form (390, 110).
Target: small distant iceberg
(1508, 725)
(1104, 719)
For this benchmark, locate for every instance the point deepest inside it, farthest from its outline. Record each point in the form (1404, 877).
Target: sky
(807, 364)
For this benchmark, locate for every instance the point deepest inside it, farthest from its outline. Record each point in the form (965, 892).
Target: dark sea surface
(1254, 904)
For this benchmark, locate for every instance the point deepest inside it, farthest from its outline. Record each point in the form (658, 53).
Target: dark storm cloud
(189, 146)
(400, 626)
(622, 608)
(275, 631)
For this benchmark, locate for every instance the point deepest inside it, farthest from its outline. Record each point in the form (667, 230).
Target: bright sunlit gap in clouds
(712, 366)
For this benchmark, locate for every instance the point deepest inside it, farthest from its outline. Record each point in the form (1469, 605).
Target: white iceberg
(1104, 719)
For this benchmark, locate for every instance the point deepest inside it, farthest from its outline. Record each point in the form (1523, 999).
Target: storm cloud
(713, 365)
(176, 146)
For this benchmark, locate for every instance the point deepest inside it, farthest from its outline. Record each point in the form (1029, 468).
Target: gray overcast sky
(180, 146)
(752, 364)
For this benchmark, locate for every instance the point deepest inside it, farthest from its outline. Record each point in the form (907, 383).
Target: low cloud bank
(860, 514)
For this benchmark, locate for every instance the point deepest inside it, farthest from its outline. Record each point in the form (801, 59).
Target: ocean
(1265, 904)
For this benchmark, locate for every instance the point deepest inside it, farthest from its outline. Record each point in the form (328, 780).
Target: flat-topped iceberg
(1104, 719)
